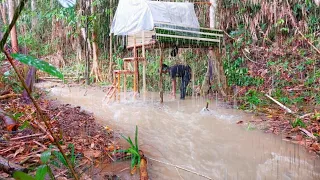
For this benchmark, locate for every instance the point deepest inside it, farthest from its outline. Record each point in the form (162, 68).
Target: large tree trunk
(13, 33)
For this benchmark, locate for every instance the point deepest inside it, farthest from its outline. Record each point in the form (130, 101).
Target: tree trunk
(95, 66)
(3, 13)
(215, 72)
(34, 19)
(110, 47)
(13, 33)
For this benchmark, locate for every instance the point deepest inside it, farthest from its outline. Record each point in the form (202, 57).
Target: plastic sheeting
(133, 16)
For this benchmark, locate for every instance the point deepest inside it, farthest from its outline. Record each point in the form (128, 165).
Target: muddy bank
(92, 142)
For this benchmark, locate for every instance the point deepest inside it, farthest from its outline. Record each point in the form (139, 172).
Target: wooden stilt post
(125, 81)
(114, 83)
(144, 68)
(119, 76)
(135, 77)
(161, 78)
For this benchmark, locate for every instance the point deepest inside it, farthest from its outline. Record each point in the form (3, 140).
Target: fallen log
(10, 167)
(6, 96)
(10, 123)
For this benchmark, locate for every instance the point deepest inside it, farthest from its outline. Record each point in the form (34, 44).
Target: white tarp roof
(133, 16)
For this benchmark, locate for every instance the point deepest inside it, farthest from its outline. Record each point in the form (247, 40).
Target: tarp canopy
(133, 16)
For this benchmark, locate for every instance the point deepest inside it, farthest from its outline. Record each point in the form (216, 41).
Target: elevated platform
(185, 37)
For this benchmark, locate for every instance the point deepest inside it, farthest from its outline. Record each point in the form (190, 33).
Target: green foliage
(39, 64)
(47, 157)
(235, 69)
(18, 175)
(298, 123)
(133, 150)
(251, 99)
(10, 78)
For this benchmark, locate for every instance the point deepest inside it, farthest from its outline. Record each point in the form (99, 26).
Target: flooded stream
(211, 143)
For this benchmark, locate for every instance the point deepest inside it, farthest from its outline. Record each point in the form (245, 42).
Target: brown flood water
(211, 143)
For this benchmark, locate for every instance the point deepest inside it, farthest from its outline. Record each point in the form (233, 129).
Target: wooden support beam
(144, 68)
(161, 78)
(135, 70)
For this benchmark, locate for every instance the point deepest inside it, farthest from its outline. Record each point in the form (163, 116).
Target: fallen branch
(315, 48)
(281, 105)
(306, 115)
(10, 123)
(27, 136)
(39, 126)
(9, 96)
(10, 167)
(308, 133)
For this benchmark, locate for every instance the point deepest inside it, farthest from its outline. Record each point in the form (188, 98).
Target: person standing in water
(179, 70)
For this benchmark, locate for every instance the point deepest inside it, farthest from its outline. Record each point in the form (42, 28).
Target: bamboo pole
(144, 67)
(114, 84)
(161, 78)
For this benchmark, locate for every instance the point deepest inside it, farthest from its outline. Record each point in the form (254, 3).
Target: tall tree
(13, 33)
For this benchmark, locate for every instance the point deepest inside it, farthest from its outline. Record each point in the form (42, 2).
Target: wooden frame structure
(166, 35)
(163, 36)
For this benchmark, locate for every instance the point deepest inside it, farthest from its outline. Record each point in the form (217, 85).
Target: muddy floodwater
(207, 144)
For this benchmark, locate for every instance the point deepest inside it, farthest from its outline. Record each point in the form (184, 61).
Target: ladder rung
(123, 72)
(132, 59)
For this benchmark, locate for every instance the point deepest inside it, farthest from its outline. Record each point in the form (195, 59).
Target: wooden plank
(132, 59)
(190, 38)
(211, 29)
(195, 32)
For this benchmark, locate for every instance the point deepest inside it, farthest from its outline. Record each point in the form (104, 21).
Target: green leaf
(55, 163)
(136, 139)
(73, 157)
(19, 175)
(41, 172)
(24, 125)
(45, 156)
(39, 64)
(16, 116)
(60, 158)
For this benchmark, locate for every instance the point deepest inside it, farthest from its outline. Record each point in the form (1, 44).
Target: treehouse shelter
(156, 24)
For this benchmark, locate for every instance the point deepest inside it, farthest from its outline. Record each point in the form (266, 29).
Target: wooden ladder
(117, 73)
